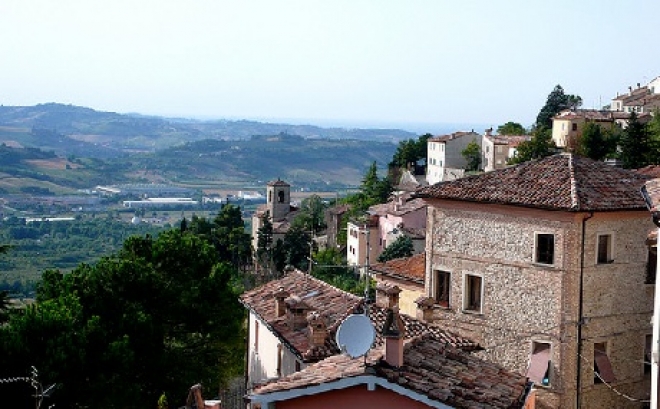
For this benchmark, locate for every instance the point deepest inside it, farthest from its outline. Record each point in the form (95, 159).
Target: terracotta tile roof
(650, 170)
(409, 268)
(455, 135)
(431, 368)
(510, 140)
(560, 182)
(391, 207)
(590, 114)
(334, 305)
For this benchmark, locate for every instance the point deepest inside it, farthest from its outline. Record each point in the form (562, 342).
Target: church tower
(278, 199)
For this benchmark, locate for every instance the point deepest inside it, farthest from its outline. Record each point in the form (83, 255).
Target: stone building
(281, 212)
(544, 265)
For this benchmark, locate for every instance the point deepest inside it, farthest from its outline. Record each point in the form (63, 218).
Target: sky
(413, 64)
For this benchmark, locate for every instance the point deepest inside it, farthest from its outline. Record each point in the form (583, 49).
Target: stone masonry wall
(524, 301)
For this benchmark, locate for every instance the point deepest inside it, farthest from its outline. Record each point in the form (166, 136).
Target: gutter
(580, 313)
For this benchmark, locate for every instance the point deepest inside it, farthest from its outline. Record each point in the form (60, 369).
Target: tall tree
(472, 154)
(635, 144)
(557, 101)
(311, 215)
(511, 128)
(264, 240)
(410, 151)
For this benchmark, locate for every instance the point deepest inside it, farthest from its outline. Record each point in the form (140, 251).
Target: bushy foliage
(399, 248)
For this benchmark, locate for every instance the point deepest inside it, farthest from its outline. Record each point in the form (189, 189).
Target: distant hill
(68, 129)
(55, 148)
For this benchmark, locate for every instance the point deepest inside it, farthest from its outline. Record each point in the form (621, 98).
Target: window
(651, 265)
(648, 347)
(442, 286)
(540, 364)
(602, 366)
(499, 149)
(279, 359)
(280, 196)
(472, 291)
(574, 127)
(604, 249)
(297, 366)
(545, 248)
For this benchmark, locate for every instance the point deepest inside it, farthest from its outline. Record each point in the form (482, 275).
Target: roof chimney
(318, 329)
(387, 296)
(394, 331)
(296, 311)
(425, 308)
(280, 306)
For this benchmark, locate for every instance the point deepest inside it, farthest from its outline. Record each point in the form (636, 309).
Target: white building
(445, 160)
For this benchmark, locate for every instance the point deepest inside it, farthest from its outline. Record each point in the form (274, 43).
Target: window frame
(446, 281)
(651, 265)
(537, 249)
(468, 292)
(648, 349)
(609, 252)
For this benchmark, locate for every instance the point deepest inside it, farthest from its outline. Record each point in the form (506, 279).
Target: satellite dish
(355, 335)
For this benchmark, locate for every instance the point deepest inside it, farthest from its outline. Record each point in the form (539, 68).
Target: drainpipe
(578, 379)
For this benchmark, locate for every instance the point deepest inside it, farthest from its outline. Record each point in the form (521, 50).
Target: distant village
(529, 286)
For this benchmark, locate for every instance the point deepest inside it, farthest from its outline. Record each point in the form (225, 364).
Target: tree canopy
(511, 128)
(158, 316)
(472, 154)
(557, 101)
(401, 247)
(539, 146)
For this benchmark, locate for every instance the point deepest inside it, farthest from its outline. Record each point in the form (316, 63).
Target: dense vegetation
(154, 318)
(42, 245)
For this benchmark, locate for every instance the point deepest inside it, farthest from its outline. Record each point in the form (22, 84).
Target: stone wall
(524, 301)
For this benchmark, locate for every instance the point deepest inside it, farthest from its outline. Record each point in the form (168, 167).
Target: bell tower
(278, 199)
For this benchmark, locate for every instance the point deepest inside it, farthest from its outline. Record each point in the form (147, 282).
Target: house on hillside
(295, 362)
(407, 274)
(402, 215)
(567, 125)
(444, 158)
(293, 322)
(643, 99)
(544, 265)
(497, 150)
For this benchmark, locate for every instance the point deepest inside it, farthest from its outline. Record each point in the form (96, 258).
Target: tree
(472, 154)
(557, 101)
(311, 215)
(539, 146)
(296, 244)
(653, 129)
(399, 248)
(511, 128)
(635, 144)
(593, 143)
(410, 151)
(264, 239)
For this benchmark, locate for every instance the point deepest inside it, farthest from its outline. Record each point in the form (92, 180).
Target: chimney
(387, 296)
(488, 131)
(318, 329)
(394, 331)
(280, 306)
(296, 311)
(425, 308)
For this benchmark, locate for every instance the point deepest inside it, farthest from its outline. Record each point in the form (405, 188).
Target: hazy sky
(375, 62)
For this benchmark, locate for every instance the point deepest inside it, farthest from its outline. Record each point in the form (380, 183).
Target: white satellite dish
(355, 335)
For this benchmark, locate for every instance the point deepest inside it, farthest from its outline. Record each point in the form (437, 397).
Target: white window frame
(610, 250)
(536, 245)
(464, 304)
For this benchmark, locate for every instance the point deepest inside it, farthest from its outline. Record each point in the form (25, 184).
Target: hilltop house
(444, 158)
(295, 362)
(544, 265)
(643, 99)
(496, 150)
(385, 222)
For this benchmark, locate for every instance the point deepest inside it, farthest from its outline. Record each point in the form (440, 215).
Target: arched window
(280, 196)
